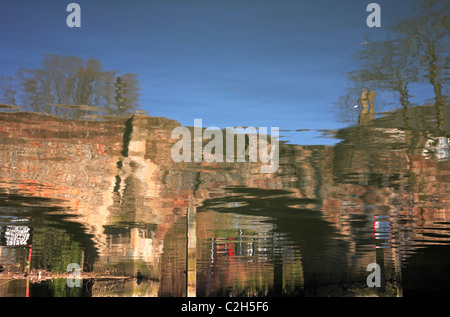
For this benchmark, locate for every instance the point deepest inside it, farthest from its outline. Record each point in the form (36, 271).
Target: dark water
(92, 202)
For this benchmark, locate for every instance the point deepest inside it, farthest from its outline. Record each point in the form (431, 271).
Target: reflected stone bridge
(118, 173)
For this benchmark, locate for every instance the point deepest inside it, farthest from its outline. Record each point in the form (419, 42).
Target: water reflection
(254, 258)
(70, 87)
(102, 191)
(414, 56)
(382, 227)
(107, 196)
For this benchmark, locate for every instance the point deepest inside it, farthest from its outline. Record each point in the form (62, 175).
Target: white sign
(17, 235)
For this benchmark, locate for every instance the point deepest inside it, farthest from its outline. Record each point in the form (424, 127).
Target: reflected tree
(71, 87)
(429, 35)
(417, 54)
(7, 90)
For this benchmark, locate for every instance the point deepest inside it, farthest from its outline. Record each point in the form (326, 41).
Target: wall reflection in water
(310, 229)
(87, 179)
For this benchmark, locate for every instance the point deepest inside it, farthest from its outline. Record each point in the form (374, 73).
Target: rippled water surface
(149, 227)
(93, 203)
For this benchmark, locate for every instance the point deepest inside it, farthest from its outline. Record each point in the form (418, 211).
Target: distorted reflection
(87, 179)
(69, 87)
